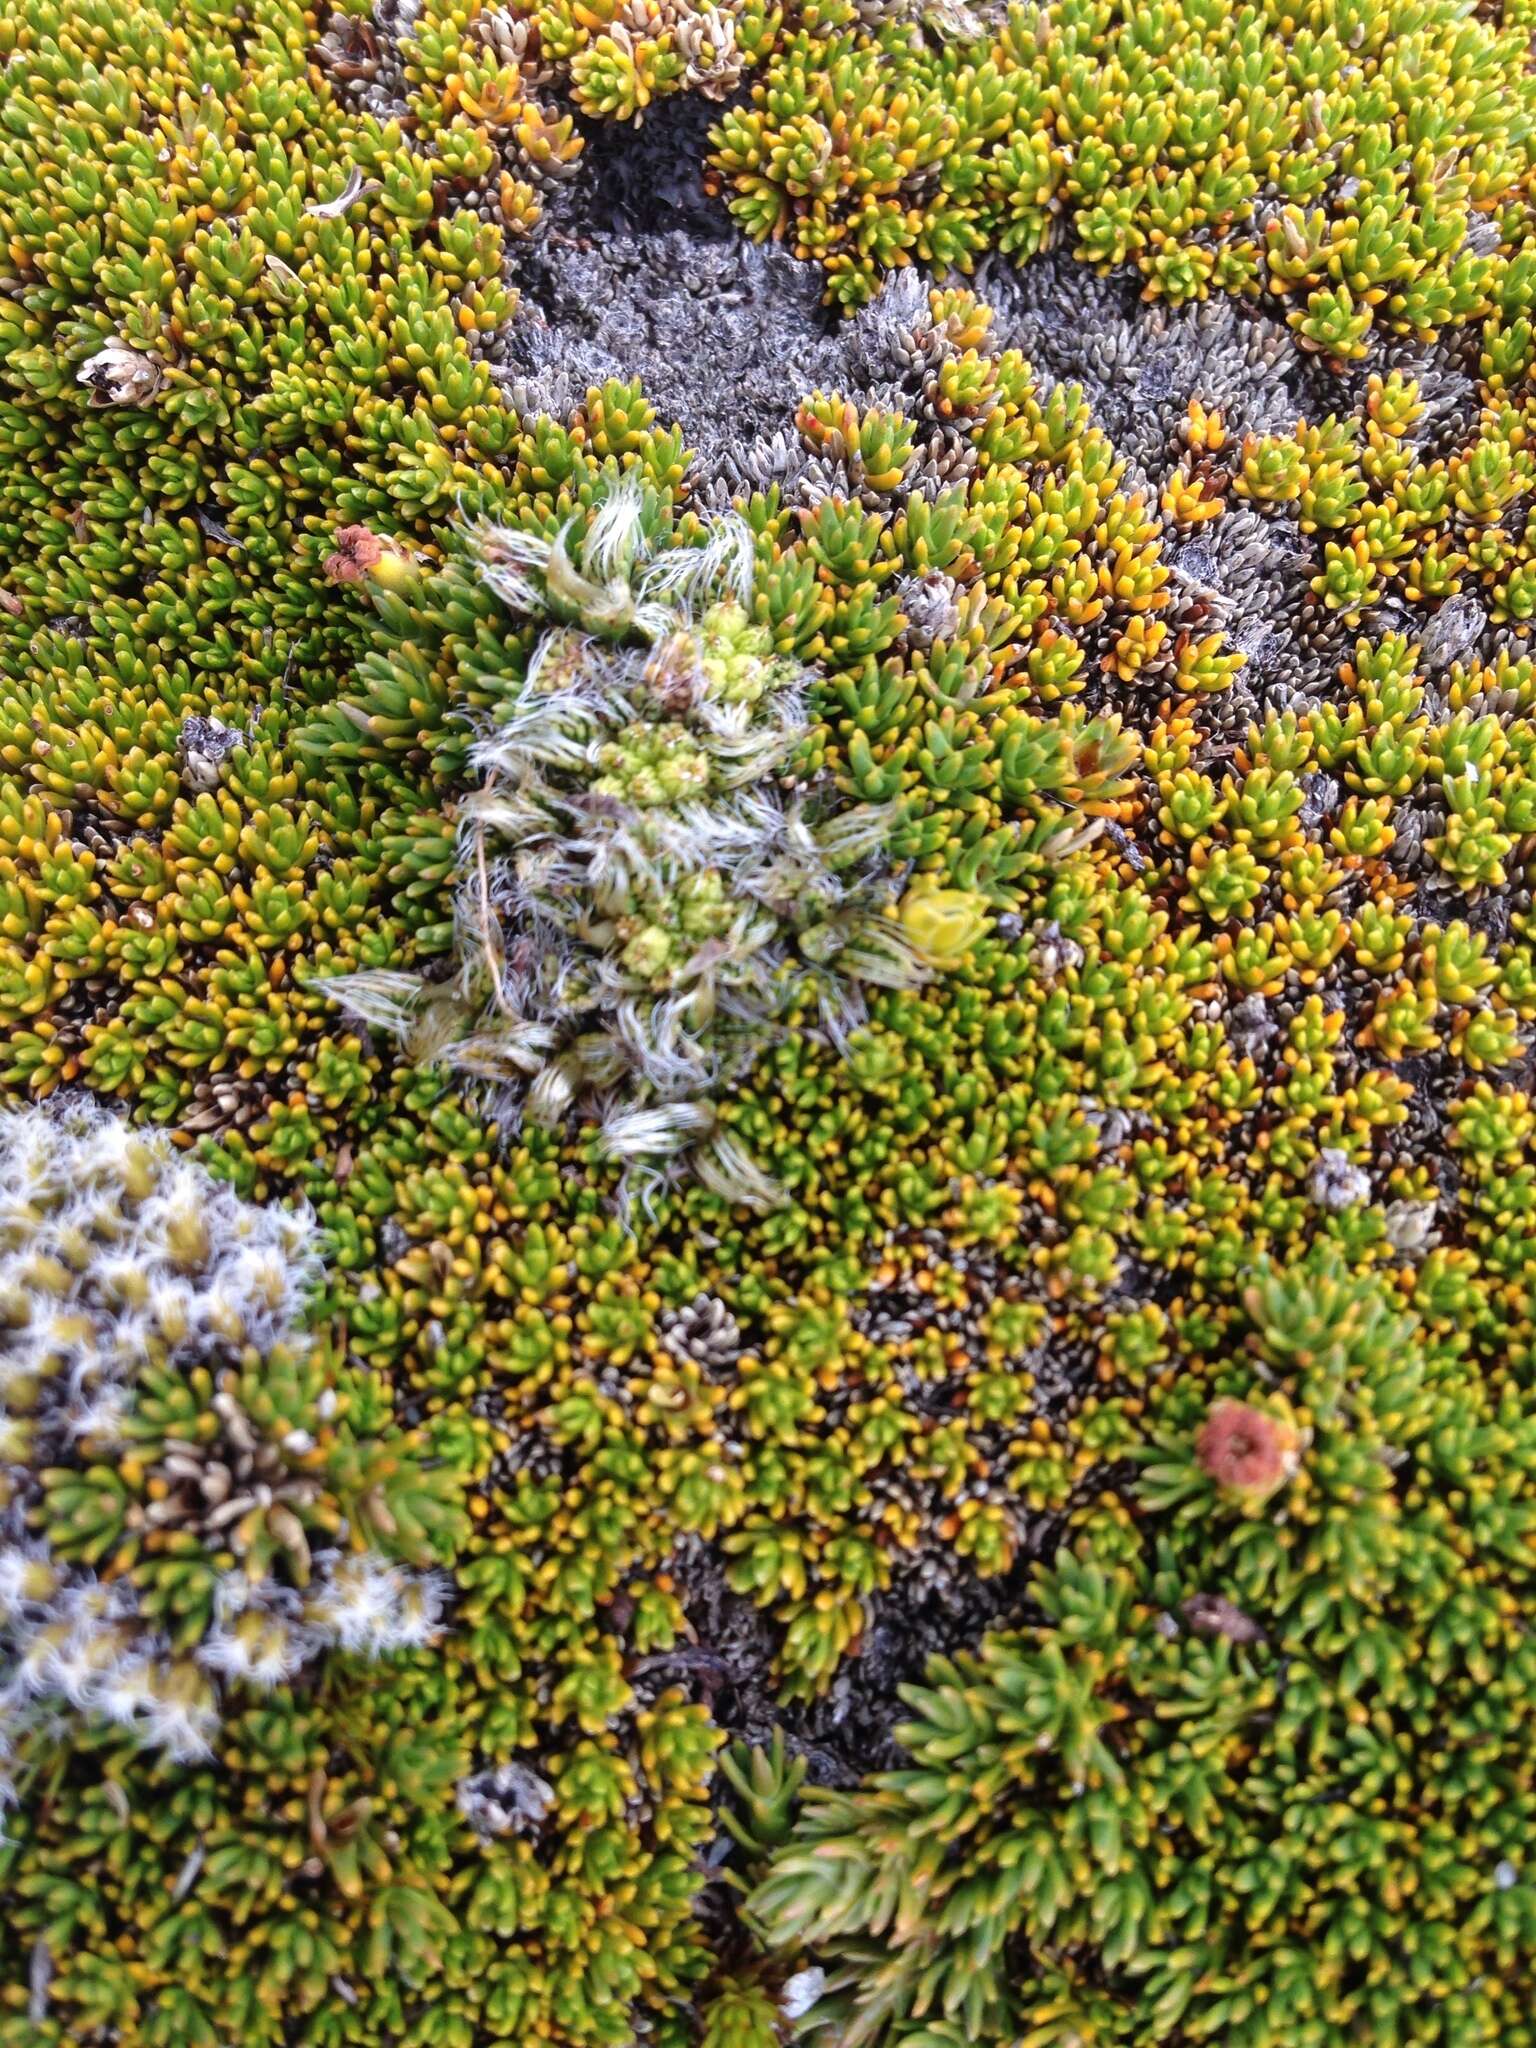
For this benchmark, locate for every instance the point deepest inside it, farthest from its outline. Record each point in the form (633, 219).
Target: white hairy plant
(124, 1267)
(644, 889)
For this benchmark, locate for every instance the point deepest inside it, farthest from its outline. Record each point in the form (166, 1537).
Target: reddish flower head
(358, 549)
(1247, 1451)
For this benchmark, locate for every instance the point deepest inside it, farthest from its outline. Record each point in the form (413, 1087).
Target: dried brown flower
(1209, 1614)
(349, 49)
(358, 549)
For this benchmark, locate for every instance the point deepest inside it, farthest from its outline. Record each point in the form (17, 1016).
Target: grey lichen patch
(636, 272)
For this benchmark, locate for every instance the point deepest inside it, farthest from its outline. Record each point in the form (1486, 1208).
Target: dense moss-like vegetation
(836, 1039)
(1266, 1775)
(1365, 166)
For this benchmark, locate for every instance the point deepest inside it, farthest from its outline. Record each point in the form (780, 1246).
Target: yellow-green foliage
(157, 189)
(1332, 156)
(241, 316)
(320, 1882)
(1263, 1774)
(612, 58)
(1208, 984)
(1385, 522)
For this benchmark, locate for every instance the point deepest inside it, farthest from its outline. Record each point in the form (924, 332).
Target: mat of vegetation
(767, 1163)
